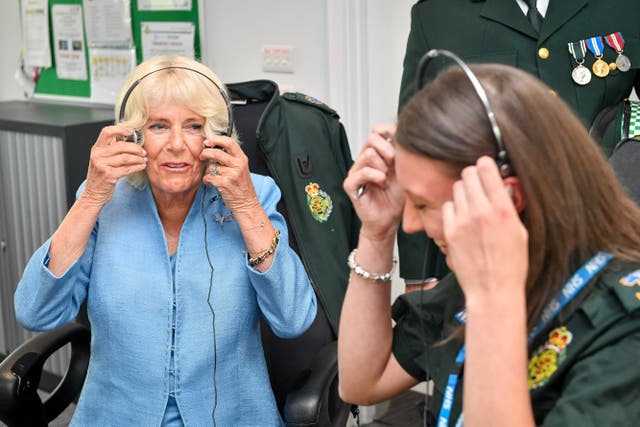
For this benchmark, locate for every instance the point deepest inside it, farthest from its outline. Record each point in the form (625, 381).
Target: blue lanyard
(570, 289)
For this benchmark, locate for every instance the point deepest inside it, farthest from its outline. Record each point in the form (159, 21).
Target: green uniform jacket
(498, 31)
(305, 149)
(583, 368)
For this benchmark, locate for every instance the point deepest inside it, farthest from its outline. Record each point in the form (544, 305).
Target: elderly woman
(540, 322)
(177, 263)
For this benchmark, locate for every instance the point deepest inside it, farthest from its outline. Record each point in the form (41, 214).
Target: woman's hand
(379, 205)
(111, 158)
(231, 177)
(488, 251)
(486, 241)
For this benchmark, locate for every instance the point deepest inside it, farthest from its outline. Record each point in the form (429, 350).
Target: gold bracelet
(267, 252)
(375, 277)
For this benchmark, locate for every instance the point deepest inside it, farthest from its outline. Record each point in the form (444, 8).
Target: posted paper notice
(68, 41)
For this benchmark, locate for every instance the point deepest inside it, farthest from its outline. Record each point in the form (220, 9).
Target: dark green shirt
(583, 368)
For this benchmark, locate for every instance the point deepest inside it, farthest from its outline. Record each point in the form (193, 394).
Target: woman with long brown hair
(539, 323)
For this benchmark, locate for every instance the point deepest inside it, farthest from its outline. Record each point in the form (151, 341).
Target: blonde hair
(172, 85)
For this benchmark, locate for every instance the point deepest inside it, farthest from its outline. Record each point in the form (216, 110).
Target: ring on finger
(213, 170)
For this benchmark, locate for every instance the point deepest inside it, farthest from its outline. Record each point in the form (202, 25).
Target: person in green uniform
(539, 321)
(500, 31)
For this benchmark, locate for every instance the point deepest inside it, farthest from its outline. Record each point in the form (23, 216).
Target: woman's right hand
(379, 206)
(111, 158)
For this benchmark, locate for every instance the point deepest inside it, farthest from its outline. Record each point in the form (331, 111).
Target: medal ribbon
(615, 41)
(595, 46)
(577, 50)
(569, 290)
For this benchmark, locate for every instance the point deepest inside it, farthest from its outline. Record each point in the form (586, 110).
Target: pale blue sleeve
(43, 301)
(285, 295)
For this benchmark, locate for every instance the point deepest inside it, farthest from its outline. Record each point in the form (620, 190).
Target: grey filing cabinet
(44, 154)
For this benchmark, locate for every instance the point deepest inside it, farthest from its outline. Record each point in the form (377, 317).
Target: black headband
(502, 158)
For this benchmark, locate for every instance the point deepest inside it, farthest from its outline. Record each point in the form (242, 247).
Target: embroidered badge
(545, 360)
(631, 280)
(312, 100)
(319, 202)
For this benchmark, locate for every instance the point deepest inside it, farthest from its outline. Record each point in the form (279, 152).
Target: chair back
(625, 162)
(290, 361)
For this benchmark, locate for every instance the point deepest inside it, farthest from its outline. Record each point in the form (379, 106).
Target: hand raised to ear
(486, 241)
(379, 206)
(111, 158)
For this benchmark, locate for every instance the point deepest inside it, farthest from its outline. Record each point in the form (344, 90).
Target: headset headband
(225, 97)
(502, 158)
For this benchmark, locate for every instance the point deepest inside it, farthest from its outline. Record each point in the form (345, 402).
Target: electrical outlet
(277, 59)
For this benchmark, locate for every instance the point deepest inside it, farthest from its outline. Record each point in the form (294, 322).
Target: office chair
(619, 125)
(625, 161)
(297, 140)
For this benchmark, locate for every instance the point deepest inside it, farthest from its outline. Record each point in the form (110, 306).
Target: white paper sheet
(109, 70)
(167, 38)
(164, 4)
(35, 33)
(108, 22)
(68, 41)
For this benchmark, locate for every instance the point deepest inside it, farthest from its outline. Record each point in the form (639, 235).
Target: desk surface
(50, 119)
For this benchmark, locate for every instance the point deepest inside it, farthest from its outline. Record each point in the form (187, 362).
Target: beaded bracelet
(267, 252)
(358, 270)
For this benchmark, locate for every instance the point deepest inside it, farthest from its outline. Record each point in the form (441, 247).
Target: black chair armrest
(20, 375)
(304, 406)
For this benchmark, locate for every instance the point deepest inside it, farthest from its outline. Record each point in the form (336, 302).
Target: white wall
(387, 36)
(235, 31)
(346, 53)
(10, 49)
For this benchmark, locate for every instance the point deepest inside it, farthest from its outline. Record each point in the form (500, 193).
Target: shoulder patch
(546, 358)
(626, 285)
(309, 100)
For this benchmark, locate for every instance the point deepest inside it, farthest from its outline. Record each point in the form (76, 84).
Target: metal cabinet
(44, 153)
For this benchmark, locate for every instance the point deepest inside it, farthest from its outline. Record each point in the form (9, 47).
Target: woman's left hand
(487, 243)
(231, 177)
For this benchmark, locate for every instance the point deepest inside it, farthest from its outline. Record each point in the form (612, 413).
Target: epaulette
(309, 100)
(625, 283)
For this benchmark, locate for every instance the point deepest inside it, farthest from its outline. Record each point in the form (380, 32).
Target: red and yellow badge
(631, 280)
(545, 360)
(319, 202)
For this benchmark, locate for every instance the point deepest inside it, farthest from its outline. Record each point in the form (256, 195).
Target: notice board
(50, 85)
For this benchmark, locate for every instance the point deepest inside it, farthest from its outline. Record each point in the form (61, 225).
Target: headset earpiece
(137, 137)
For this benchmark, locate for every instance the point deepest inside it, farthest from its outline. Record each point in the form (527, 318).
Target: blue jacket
(126, 279)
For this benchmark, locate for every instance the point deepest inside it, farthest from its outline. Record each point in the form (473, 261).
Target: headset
(502, 159)
(137, 136)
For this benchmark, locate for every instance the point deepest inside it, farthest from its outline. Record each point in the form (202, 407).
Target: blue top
(126, 279)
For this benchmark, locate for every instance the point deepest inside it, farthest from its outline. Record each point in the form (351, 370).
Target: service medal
(600, 68)
(616, 42)
(623, 63)
(581, 75)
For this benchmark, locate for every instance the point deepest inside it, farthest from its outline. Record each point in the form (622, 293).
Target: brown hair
(574, 204)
